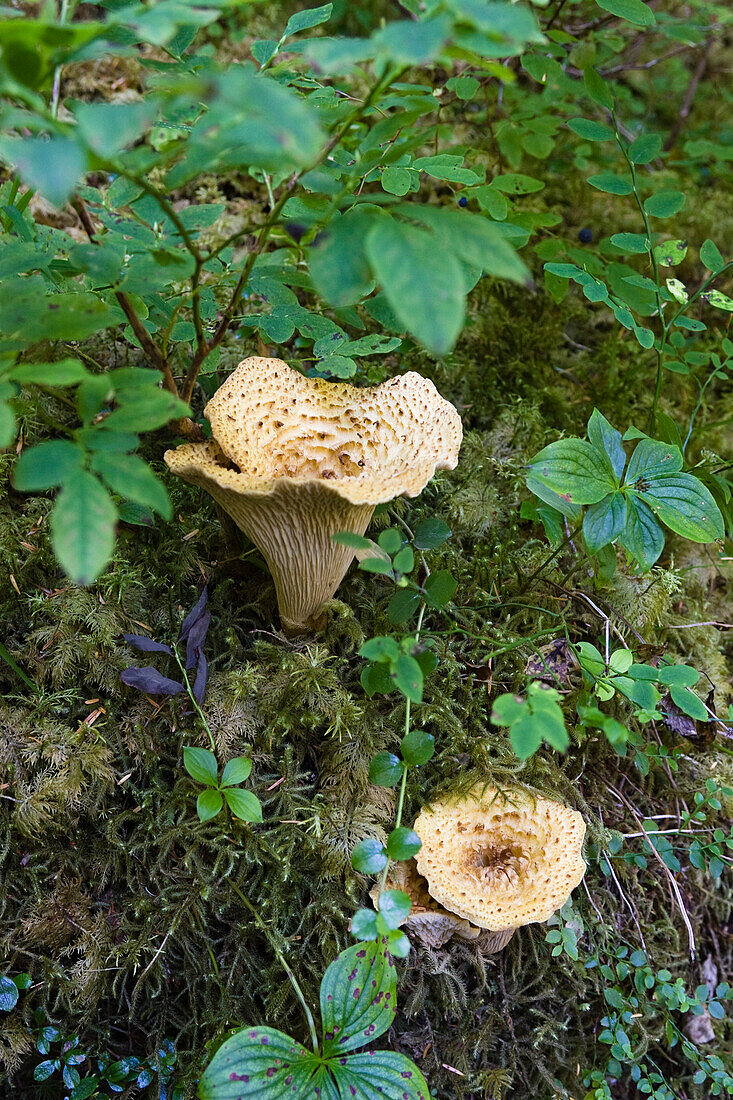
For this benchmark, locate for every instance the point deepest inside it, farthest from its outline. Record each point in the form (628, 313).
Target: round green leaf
(664, 204)
(417, 747)
(8, 994)
(403, 843)
(385, 770)
(364, 925)
(369, 857)
(394, 906)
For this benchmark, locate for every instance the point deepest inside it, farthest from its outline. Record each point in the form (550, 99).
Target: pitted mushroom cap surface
(368, 445)
(500, 860)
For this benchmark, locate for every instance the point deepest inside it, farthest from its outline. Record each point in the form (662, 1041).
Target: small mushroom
(293, 460)
(429, 922)
(500, 859)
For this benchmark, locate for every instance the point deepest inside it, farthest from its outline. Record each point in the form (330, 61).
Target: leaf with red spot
(260, 1063)
(358, 997)
(380, 1075)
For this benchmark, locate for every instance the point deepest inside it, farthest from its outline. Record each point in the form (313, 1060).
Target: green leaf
(243, 1066)
(507, 709)
(380, 649)
(604, 521)
(369, 856)
(348, 538)
(689, 703)
(338, 262)
(47, 465)
(575, 470)
(430, 533)
(304, 20)
(208, 804)
(52, 166)
(642, 536)
(645, 148)
(378, 565)
(605, 437)
(382, 1074)
(364, 925)
(64, 372)
(652, 458)
(439, 589)
(597, 88)
(664, 204)
(107, 128)
(404, 560)
(396, 181)
(144, 411)
(395, 905)
(236, 771)
(515, 183)
(717, 299)
(7, 425)
(417, 747)
(390, 540)
(358, 995)
(423, 285)
(613, 185)
(403, 843)
(132, 478)
(31, 317)
(413, 43)
(385, 769)
(710, 256)
(243, 804)
(525, 736)
(590, 130)
(472, 238)
(670, 253)
(633, 11)
(201, 765)
(408, 677)
(446, 166)
(8, 994)
(403, 605)
(635, 243)
(677, 675)
(686, 506)
(83, 527)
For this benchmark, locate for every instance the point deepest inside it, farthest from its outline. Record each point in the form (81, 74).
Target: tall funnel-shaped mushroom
(500, 860)
(293, 460)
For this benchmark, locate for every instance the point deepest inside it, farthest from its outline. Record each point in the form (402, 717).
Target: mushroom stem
(292, 529)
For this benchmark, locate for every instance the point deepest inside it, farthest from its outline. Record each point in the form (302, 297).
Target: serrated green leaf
(423, 285)
(132, 478)
(146, 410)
(83, 526)
(47, 465)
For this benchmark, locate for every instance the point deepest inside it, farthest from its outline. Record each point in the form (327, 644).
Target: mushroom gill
(294, 460)
(500, 859)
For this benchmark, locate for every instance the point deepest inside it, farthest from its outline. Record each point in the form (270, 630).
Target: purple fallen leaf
(146, 645)
(148, 679)
(196, 639)
(202, 675)
(194, 614)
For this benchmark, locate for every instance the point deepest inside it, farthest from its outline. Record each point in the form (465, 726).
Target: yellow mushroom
(500, 859)
(429, 922)
(293, 460)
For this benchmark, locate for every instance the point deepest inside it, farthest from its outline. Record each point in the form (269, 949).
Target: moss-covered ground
(125, 908)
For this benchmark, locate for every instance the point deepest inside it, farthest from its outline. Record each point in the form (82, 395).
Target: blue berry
(585, 236)
(463, 201)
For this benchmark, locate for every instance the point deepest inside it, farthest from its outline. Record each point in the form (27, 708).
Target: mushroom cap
(432, 924)
(368, 445)
(500, 859)
(294, 460)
